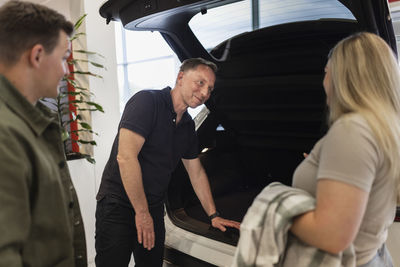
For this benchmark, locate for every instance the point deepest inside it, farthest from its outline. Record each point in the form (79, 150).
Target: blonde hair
(365, 79)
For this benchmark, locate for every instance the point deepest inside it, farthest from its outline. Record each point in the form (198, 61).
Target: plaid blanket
(265, 239)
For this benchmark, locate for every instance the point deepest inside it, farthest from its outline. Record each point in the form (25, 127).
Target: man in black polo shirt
(155, 132)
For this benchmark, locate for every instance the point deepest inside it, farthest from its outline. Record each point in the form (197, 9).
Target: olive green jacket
(40, 219)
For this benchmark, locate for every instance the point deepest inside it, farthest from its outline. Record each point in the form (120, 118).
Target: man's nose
(205, 93)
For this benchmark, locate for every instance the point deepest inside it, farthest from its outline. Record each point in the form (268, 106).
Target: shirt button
(61, 164)
(79, 257)
(77, 222)
(71, 204)
(174, 120)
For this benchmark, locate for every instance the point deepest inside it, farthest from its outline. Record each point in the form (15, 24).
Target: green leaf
(87, 52)
(79, 22)
(90, 142)
(85, 125)
(74, 117)
(71, 82)
(76, 36)
(72, 93)
(81, 88)
(99, 107)
(97, 65)
(64, 135)
(91, 160)
(85, 130)
(75, 62)
(87, 73)
(88, 109)
(75, 101)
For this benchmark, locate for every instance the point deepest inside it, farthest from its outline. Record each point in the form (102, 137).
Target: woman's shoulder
(351, 121)
(353, 128)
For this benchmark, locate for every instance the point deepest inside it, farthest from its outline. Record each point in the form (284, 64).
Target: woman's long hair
(365, 79)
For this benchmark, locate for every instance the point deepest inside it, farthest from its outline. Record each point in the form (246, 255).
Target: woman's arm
(334, 223)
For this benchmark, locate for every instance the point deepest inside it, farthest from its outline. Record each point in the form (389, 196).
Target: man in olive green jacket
(40, 220)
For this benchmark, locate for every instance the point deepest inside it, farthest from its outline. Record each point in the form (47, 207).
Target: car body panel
(214, 252)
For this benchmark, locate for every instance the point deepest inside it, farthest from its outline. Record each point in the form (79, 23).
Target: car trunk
(266, 111)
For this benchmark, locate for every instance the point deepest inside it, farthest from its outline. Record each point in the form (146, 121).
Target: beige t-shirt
(350, 154)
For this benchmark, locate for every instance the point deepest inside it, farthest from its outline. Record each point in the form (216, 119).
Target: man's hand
(221, 223)
(145, 229)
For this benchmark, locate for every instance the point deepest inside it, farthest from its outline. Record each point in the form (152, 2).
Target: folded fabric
(265, 239)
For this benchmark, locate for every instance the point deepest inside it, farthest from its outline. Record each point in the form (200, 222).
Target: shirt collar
(166, 94)
(36, 117)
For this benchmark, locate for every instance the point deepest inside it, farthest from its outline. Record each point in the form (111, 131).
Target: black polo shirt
(151, 114)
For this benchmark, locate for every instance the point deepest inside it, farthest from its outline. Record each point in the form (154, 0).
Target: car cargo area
(267, 109)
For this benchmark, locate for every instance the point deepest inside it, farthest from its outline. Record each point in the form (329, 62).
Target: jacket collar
(36, 117)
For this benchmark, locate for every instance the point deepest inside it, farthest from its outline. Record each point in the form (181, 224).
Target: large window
(249, 15)
(145, 61)
(231, 19)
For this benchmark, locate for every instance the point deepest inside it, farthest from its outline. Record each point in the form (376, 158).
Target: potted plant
(74, 102)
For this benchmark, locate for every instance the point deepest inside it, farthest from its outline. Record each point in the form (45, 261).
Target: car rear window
(222, 23)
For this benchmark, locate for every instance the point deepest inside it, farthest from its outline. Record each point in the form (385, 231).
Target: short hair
(192, 63)
(25, 24)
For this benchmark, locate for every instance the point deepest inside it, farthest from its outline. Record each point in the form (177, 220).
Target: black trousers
(116, 236)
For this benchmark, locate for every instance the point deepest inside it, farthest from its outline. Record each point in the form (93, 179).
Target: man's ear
(36, 55)
(180, 76)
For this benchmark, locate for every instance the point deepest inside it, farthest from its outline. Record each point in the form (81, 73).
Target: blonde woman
(353, 171)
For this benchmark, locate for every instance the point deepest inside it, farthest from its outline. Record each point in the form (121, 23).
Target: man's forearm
(131, 176)
(202, 189)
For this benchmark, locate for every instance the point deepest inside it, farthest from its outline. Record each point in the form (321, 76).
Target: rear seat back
(269, 92)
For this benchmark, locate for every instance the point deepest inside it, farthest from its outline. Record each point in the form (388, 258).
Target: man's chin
(52, 95)
(195, 105)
